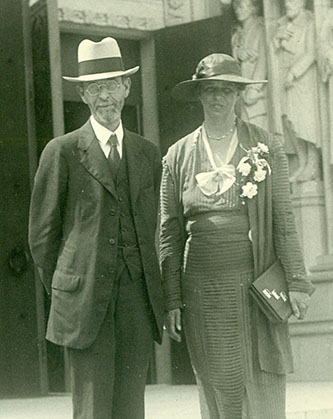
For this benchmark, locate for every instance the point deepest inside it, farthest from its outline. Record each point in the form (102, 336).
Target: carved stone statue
(248, 47)
(325, 60)
(294, 47)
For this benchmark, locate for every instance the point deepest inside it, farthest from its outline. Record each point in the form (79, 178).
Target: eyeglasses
(111, 86)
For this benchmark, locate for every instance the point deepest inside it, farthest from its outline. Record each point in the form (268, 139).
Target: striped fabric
(218, 321)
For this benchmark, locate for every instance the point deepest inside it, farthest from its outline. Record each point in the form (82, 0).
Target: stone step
(310, 400)
(304, 401)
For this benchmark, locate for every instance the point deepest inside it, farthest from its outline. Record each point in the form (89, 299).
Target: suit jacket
(74, 221)
(273, 235)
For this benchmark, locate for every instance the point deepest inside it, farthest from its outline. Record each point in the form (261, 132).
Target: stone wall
(136, 14)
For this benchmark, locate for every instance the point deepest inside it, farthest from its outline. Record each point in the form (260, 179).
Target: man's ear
(127, 83)
(80, 91)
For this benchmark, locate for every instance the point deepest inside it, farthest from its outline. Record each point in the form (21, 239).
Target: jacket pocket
(65, 282)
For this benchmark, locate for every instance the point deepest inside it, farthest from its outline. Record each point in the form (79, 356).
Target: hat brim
(102, 76)
(186, 91)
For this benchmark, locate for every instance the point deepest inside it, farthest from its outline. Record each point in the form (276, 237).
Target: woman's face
(218, 98)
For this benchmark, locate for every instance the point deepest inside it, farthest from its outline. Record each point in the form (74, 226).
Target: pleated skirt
(220, 332)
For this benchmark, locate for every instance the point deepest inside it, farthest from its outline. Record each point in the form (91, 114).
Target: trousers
(108, 378)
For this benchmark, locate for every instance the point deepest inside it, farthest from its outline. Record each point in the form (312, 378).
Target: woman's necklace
(230, 131)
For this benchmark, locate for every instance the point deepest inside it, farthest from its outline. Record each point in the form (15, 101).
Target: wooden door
(19, 343)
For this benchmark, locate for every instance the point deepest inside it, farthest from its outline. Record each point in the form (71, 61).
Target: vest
(127, 239)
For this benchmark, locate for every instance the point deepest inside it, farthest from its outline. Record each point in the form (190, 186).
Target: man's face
(218, 98)
(243, 9)
(106, 99)
(294, 7)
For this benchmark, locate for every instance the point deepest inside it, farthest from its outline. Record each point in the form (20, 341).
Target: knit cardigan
(272, 227)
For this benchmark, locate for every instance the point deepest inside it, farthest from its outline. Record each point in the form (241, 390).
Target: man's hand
(173, 324)
(299, 303)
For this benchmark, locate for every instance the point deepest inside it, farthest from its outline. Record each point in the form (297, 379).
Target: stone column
(323, 10)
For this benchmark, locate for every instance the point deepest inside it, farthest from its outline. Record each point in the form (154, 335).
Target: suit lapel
(93, 158)
(136, 163)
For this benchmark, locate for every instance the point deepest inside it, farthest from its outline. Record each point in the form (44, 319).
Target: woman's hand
(299, 303)
(173, 324)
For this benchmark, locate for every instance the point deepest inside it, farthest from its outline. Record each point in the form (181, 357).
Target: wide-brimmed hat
(220, 67)
(100, 60)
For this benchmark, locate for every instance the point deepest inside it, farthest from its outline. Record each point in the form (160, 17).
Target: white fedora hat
(100, 60)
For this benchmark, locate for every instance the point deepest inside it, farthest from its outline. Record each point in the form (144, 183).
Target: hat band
(101, 65)
(225, 68)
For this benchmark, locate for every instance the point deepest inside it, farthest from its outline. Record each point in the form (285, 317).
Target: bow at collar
(222, 177)
(217, 181)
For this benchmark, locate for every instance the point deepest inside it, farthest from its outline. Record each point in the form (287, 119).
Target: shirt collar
(103, 134)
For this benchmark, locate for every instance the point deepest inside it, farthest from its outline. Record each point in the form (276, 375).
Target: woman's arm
(286, 241)
(171, 252)
(171, 241)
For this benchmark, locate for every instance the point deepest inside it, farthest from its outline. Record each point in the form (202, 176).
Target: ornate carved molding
(177, 11)
(107, 19)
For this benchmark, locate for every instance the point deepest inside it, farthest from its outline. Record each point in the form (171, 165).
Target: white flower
(244, 168)
(249, 190)
(262, 147)
(259, 175)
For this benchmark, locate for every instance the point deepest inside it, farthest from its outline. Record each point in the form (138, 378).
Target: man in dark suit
(92, 229)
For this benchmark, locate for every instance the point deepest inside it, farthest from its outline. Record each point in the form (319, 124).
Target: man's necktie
(114, 157)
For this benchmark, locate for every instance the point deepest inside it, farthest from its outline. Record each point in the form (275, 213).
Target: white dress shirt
(103, 134)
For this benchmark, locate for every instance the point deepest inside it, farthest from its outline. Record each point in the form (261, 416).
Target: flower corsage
(253, 169)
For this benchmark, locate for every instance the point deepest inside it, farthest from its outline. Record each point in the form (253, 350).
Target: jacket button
(112, 242)
(120, 199)
(112, 212)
